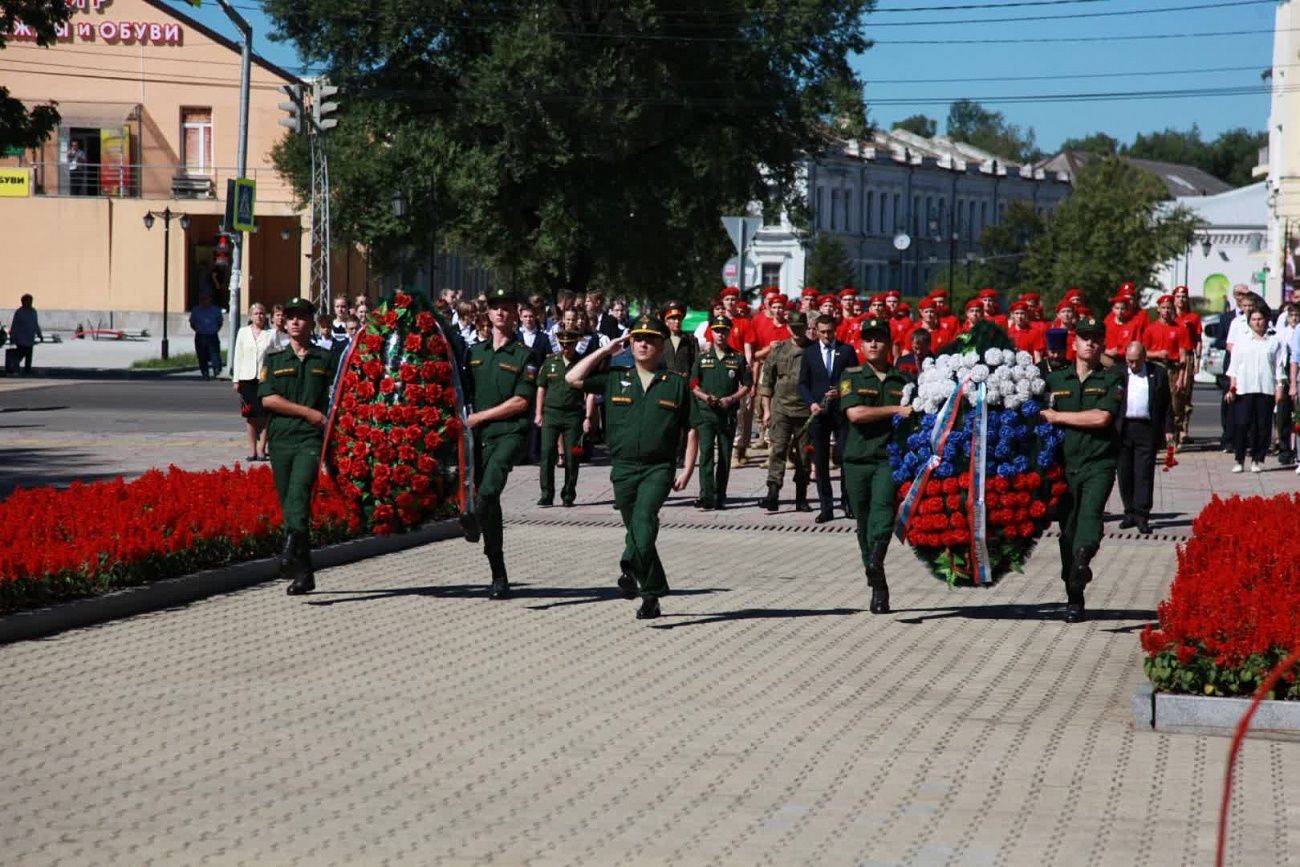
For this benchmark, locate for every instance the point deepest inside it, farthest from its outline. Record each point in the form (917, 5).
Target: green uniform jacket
(720, 377)
(496, 375)
(644, 426)
(781, 380)
(1103, 389)
(860, 386)
(304, 381)
(562, 401)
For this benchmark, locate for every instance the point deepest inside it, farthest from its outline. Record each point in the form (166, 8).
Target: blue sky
(1148, 62)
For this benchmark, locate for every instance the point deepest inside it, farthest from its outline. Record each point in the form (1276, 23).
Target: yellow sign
(15, 183)
(115, 161)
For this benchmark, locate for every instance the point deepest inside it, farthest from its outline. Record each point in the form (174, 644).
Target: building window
(970, 222)
(820, 218)
(835, 209)
(884, 227)
(984, 216)
(771, 274)
(846, 198)
(867, 213)
(898, 203)
(196, 140)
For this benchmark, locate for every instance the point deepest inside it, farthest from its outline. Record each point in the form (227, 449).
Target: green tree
(829, 268)
(919, 124)
(1005, 246)
(20, 127)
(1234, 155)
(1108, 231)
(1172, 146)
(569, 142)
(989, 130)
(1098, 143)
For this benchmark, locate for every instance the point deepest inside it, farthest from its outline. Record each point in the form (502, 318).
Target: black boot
(876, 578)
(1078, 578)
(304, 577)
(469, 526)
(847, 508)
(649, 608)
(627, 581)
(771, 502)
(500, 588)
(288, 557)
(801, 498)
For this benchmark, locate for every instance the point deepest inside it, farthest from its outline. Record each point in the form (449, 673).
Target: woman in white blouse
(251, 345)
(1255, 382)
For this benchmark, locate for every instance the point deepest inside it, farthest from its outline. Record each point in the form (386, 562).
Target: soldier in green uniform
(720, 381)
(1084, 399)
(870, 396)
(502, 385)
(648, 408)
(560, 416)
(294, 386)
(680, 350)
(785, 415)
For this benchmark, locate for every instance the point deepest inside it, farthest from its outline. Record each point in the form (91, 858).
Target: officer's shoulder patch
(1061, 392)
(508, 367)
(280, 371)
(261, 374)
(854, 369)
(669, 404)
(846, 387)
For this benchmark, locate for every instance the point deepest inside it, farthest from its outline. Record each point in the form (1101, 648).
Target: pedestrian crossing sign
(240, 206)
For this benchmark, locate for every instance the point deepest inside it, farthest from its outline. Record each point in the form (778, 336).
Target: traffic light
(221, 252)
(322, 105)
(293, 107)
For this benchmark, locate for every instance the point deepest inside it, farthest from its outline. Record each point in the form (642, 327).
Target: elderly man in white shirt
(1255, 377)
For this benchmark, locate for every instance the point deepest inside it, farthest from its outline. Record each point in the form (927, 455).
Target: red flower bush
(394, 443)
(1233, 610)
(58, 544)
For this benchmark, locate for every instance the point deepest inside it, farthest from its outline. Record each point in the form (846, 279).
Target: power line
(1069, 75)
(1046, 40)
(1221, 4)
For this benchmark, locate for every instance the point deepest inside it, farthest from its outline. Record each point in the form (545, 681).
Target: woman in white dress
(251, 345)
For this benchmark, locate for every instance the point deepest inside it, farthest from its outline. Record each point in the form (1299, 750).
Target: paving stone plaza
(398, 717)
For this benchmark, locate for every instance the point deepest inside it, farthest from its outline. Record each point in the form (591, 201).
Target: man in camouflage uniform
(786, 415)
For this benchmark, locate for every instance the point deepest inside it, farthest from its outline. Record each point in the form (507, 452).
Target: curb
(171, 592)
(106, 373)
(1213, 715)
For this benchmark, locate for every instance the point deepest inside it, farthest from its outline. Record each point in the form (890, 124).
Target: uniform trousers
(295, 466)
(1083, 507)
(870, 488)
(570, 428)
(715, 431)
(639, 492)
(494, 458)
(1180, 404)
(787, 435)
(1252, 425)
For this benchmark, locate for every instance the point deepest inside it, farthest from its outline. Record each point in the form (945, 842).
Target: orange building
(149, 100)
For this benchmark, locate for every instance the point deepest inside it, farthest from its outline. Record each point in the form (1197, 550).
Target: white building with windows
(908, 210)
(1229, 248)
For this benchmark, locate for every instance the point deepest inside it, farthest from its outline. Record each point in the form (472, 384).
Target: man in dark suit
(1142, 421)
(824, 363)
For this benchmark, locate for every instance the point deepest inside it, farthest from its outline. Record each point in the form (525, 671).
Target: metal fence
(148, 180)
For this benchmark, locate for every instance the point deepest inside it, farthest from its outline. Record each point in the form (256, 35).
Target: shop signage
(103, 29)
(15, 183)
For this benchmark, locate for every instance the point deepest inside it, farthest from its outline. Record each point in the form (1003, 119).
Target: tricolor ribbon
(943, 425)
(979, 548)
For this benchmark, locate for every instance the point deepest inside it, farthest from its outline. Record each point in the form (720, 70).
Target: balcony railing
(149, 181)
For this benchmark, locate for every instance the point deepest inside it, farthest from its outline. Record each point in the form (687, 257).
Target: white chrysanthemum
(919, 405)
(1024, 359)
(970, 359)
(972, 398)
(979, 373)
(927, 364)
(1037, 386)
(1022, 388)
(1014, 401)
(944, 363)
(1006, 387)
(907, 393)
(993, 356)
(994, 397)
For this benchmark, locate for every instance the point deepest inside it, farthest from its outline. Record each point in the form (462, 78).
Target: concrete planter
(1213, 715)
(42, 622)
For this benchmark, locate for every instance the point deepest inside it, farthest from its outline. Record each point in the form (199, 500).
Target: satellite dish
(902, 241)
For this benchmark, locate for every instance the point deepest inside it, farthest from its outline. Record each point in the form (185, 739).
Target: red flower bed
(58, 544)
(1233, 611)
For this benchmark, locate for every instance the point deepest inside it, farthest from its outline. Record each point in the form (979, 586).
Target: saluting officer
(560, 416)
(294, 386)
(647, 409)
(1085, 398)
(786, 415)
(870, 396)
(502, 386)
(720, 381)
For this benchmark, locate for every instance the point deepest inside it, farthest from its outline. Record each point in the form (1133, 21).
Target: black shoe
(771, 502)
(469, 526)
(720, 505)
(304, 583)
(627, 585)
(823, 516)
(704, 505)
(568, 504)
(500, 588)
(846, 508)
(304, 577)
(1127, 522)
(879, 600)
(288, 557)
(649, 609)
(1143, 527)
(1074, 612)
(546, 501)
(802, 506)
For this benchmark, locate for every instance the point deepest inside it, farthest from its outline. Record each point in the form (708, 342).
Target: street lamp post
(167, 217)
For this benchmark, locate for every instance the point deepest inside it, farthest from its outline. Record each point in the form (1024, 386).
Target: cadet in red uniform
(1126, 290)
(900, 321)
(851, 305)
(808, 300)
(989, 297)
(1067, 316)
(974, 314)
(940, 333)
(1024, 334)
(1127, 324)
(1169, 343)
(946, 316)
(1034, 304)
(893, 300)
(1182, 398)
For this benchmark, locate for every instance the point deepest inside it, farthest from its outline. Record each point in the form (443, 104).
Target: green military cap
(1090, 325)
(564, 335)
(647, 324)
(674, 308)
(502, 293)
(798, 319)
(299, 304)
(720, 323)
(875, 323)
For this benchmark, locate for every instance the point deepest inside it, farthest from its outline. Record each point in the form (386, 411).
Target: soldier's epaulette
(857, 369)
(272, 352)
(676, 373)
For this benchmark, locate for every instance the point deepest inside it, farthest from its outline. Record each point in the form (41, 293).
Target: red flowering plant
(58, 544)
(395, 441)
(984, 398)
(1233, 611)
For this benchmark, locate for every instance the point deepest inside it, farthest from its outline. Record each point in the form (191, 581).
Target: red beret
(1019, 305)
(938, 292)
(1074, 292)
(848, 292)
(894, 293)
(730, 292)
(926, 303)
(828, 298)
(903, 307)
(1121, 297)
(987, 292)
(1028, 296)
(974, 302)
(1182, 289)
(1084, 312)
(770, 291)
(777, 298)
(1127, 287)
(1166, 297)
(809, 292)
(879, 296)
(1064, 302)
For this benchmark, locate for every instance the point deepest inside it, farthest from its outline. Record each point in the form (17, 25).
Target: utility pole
(323, 107)
(241, 165)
